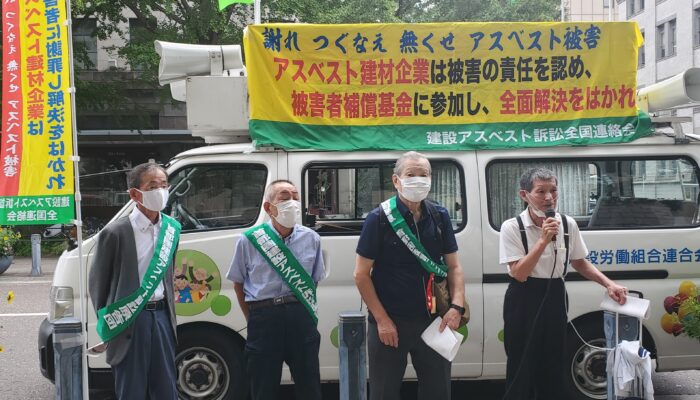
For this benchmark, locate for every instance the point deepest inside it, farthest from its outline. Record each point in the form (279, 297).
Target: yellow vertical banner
(37, 179)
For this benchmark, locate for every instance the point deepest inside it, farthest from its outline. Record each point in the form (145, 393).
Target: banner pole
(78, 210)
(256, 11)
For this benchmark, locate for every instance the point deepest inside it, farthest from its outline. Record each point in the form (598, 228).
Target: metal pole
(36, 255)
(563, 13)
(82, 292)
(68, 350)
(256, 11)
(353, 371)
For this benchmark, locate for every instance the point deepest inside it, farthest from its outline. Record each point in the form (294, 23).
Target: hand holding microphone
(550, 214)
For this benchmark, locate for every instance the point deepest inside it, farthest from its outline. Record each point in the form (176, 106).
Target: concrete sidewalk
(22, 267)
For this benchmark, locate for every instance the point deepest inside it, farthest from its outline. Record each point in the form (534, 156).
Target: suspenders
(564, 222)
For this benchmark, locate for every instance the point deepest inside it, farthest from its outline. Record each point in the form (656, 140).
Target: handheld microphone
(550, 213)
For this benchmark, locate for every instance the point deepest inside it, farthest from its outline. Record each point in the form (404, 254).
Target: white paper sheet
(445, 343)
(635, 307)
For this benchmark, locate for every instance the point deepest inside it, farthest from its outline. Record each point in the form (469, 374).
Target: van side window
(340, 195)
(629, 193)
(217, 196)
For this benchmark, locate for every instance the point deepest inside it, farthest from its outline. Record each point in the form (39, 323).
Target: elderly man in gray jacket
(131, 289)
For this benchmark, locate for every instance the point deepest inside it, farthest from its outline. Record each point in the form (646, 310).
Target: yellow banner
(441, 74)
(47, 138)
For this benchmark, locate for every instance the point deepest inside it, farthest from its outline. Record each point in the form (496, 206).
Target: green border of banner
(64, 215)
(290, 135)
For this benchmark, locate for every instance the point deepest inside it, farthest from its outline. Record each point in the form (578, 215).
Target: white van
(636, 205)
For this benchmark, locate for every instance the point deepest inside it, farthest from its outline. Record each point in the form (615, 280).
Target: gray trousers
(388, 364)
(148, 369)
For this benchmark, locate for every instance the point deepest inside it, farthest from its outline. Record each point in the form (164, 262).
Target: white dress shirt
(146, 235)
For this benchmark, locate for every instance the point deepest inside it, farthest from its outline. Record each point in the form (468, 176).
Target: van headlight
(60, 302)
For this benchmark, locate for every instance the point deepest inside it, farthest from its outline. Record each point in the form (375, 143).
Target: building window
(85, 43)
(139, 35)
(634, 7)
(666, 39)
(641, 56)
(696, 27)
(660, 42)
(672, 37)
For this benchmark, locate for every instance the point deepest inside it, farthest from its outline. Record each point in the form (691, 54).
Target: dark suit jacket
(114, 275)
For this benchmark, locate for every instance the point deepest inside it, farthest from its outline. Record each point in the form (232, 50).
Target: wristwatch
(461, 310)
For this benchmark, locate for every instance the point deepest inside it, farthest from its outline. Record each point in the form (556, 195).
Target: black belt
(290, 298)
(155, 305)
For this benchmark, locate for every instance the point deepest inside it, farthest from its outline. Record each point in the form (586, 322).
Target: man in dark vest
(130, 284)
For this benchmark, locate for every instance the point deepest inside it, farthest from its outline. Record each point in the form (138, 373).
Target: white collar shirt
(511, 246)
(146, 236)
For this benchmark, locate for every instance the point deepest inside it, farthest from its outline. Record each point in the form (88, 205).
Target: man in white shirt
(534, 248)
(142, 355)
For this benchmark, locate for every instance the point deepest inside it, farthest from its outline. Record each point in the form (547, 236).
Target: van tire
(585, 378)
(209, 365)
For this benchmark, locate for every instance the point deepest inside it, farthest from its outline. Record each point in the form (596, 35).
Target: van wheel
(209, 366)
(586, 377)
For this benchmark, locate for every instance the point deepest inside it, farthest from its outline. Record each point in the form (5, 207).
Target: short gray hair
(527, 180)
(133, 178)
(411, 155)
(270, 191)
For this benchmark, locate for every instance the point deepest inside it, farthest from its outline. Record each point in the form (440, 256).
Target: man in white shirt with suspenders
(536, 252)
(275, 270)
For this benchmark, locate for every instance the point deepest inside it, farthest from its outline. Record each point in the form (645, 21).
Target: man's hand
(451, 319)
(617, 292)
(388, 334)
(550, 229)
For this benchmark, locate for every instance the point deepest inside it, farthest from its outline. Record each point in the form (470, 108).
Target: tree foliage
(137, 23)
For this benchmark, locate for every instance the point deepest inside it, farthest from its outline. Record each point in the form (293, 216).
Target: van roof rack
(673, 126)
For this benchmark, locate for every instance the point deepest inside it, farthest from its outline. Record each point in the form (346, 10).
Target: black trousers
(543, 364)
(388, 364)
(277, 334)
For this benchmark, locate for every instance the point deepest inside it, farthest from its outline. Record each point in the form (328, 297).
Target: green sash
(114, 318)
(271, 246)
(403, 231)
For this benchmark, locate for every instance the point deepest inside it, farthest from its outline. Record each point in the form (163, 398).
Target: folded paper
(445, 343)
(634, 306)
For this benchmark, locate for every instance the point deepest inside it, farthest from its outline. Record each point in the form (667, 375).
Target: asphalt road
(20, 377)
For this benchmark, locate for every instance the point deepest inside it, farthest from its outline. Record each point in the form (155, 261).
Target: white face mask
(415, 188)
(155, 200)
(537, 211)
(288, 213)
